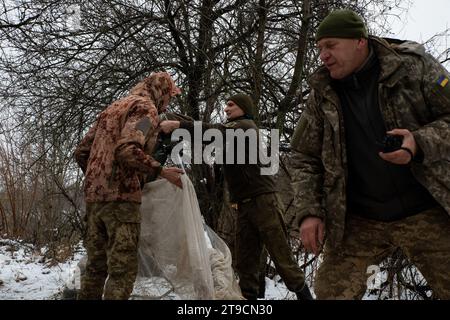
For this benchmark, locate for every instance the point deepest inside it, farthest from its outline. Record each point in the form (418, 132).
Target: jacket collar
(244, 117)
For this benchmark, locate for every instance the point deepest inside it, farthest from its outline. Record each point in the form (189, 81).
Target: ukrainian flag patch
(443, 80)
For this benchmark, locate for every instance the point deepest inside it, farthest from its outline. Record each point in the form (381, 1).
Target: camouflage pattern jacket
(111, 154)
(115, 153)
(413, 94)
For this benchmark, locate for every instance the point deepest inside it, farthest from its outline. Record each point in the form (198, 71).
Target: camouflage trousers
(423, 238)
(111, 243)
(260, 224)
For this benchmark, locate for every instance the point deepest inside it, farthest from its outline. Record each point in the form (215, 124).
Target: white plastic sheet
(179, 256)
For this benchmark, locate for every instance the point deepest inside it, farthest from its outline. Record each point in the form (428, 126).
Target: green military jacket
(244, 180)
(414, 94)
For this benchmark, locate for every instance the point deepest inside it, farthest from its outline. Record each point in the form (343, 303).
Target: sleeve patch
(442, 81)
(144, 125)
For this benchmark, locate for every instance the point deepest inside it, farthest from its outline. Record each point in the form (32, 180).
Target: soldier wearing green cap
(371, 159)
(259, 222)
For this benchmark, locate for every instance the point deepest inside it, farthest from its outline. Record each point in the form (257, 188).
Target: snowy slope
(25, 275)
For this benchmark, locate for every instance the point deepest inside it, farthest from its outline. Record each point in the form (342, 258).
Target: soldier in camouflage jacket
(115, 156)
(366, 201)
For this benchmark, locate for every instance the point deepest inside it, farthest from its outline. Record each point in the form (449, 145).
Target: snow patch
(25, 275)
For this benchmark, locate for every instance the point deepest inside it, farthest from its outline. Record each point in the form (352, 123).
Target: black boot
(304, 294)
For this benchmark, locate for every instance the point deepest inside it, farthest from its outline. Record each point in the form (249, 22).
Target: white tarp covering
(180, 257)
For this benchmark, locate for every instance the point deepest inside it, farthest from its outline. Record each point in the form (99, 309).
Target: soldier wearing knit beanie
(369, 92)
(244, 102)
(342, 40)
(254, 196)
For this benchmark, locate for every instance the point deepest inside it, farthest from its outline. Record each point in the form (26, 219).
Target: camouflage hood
(116, 153)
(159, 87)
(411, 96)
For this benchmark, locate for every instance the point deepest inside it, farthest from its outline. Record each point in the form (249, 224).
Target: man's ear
(362, 42)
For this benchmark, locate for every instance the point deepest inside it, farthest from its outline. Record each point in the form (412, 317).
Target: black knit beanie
(342, 24)
(244, 102)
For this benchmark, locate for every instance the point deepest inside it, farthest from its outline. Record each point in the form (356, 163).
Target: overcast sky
(424, 19)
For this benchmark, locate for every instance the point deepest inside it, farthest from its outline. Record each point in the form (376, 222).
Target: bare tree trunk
(196, 75)
(258, 66)
(286, 103)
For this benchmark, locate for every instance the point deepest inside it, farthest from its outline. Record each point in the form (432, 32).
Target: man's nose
(324, 55)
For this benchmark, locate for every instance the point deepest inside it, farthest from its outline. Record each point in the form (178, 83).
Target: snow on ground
(25, 275)
(276, 290)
